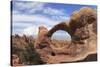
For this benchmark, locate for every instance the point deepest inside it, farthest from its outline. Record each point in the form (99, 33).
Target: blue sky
(27, 16)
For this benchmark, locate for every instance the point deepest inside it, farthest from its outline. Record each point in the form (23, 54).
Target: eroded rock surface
(81, 27)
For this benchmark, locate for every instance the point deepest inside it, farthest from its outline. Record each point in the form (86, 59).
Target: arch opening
(61, 38)
(61, 35)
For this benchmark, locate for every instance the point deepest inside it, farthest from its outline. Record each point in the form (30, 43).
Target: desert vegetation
(23, 48)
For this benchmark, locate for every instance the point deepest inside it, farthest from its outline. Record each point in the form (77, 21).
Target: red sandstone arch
(79, 20)
(61, 26)
(85, 17)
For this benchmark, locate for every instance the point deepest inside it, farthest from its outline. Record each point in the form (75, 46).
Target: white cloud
(60, 18)
(29, 6)
(22, 20)
(27, 21)
(53, 11)
(15, 12)
(34, 18)
(31, 22)
(38, 18)
(32, 7)
(33, 30)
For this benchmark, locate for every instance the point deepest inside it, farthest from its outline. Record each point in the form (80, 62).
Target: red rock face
(42, 38)
(81, 27)
(15, 60)
(42, 33)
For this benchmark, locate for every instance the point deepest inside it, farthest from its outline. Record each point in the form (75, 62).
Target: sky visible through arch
(27, 16)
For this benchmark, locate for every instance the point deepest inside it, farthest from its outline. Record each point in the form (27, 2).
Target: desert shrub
(31, 55)
(27, 55)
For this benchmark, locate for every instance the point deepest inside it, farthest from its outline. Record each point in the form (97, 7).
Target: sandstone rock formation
(42, 39)
(81, 27)
(15, 60)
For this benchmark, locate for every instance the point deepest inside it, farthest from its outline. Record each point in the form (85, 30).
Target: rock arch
(81, 23)
(78, 22)
(61, 26)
